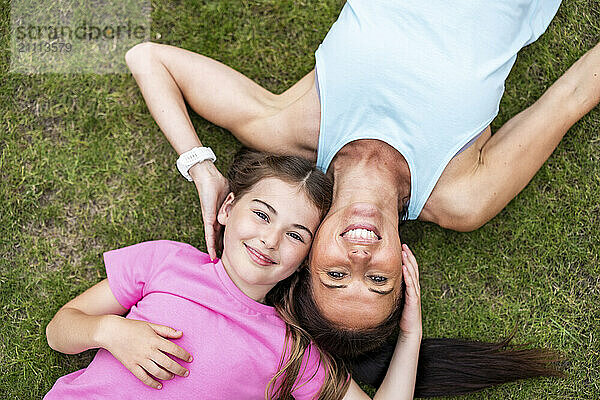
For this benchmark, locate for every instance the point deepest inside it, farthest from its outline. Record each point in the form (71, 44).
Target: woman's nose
(359, 255)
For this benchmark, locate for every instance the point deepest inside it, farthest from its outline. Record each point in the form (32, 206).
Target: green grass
(84, 169)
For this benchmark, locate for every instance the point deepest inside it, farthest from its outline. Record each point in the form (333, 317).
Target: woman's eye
(378, 279)
(261, 215)
(295, 236)
(336, 274)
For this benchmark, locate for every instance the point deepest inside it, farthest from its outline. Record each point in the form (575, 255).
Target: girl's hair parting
(447, 367)
(248, 168)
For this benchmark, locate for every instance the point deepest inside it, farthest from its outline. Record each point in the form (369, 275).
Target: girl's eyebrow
(271, 209)
(267, 205)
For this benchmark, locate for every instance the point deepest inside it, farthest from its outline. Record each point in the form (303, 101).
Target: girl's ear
(225, 210)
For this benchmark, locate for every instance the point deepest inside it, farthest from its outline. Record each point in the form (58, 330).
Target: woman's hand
(410, 323)
(213, 188)
(142, 347)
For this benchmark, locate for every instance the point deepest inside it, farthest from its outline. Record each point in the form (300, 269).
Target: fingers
(411, 291)
(165, 331)
(210, 238)
(169, 365)
(411, 258)
(151, 368)
(143, 376)
(209, 218)
(410, 272)
(168, 346)
(171, 348)
(212, 229)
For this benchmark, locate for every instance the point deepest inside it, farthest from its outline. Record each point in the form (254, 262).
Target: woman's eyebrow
(382, 292)
(271, 209)
(327, 285)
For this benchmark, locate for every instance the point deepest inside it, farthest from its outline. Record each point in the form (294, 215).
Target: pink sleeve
(311, 376)
(128, 269)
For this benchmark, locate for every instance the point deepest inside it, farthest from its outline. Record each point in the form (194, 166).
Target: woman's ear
(225, 210)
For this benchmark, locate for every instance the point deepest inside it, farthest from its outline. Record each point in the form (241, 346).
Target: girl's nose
(270, 239)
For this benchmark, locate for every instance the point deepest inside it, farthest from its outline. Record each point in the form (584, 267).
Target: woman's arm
(399, 382)
(512, 156)
(169, 76)
(92, 320)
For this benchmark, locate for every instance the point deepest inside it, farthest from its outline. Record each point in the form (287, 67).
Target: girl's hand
(213, 188)
(142, 347)
(410, 322)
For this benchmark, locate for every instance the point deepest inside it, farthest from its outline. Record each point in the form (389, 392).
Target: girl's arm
(79, 325)
(92, 320)
(399, 382)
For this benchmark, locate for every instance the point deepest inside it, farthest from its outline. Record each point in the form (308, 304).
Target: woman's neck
(370, 171)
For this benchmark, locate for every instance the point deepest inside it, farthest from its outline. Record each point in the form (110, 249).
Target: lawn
(84, 169)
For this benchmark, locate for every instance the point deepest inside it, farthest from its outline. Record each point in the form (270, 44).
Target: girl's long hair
(248, 168)
(298, 342)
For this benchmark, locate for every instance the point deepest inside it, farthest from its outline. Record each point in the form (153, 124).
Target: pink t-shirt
(236, 342)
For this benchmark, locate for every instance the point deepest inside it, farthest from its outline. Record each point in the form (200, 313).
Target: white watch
(192, 157)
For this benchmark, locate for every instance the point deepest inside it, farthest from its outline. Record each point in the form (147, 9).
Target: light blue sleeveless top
(423, 76)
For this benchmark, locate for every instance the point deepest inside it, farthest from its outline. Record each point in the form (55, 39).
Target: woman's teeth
(360, 234)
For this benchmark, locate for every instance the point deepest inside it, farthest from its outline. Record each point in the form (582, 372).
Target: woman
(406, 93)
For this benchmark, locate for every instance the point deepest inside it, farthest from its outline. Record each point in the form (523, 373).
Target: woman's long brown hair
(247, 169)
(447, 367)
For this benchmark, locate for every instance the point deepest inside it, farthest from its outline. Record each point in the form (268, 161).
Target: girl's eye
(336, 274)
(295, 236)
(262, 215)
(378, 279)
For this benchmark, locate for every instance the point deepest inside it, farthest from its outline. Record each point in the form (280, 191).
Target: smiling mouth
(361, 233)
(258, 257)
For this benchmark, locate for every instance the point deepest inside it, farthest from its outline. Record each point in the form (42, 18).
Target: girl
(213, 335)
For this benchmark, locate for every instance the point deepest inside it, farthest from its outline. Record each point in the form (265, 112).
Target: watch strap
(192, 157)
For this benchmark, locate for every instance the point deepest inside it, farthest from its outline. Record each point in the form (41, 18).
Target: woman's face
(268, 233)
(355, 266)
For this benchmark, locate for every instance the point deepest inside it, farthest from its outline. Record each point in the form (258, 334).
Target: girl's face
(268, 233)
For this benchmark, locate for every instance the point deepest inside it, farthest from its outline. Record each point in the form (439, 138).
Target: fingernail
(190, 359)
(159, 386)
(186, 373)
